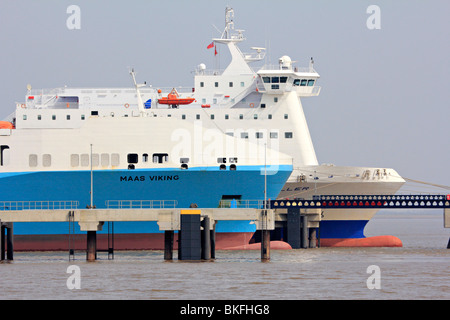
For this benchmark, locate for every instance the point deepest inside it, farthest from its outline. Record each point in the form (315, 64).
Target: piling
(293, 228)
(213, 240)
(206, 238)
(313, 237)
(189, 246)
(265, 245)
(91, 252)
(305, 231)
(168, 244)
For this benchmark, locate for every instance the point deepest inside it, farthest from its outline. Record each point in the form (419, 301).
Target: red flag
(210, 45)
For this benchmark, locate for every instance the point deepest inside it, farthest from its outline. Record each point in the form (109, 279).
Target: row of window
(295, 82)
(227, 117)
(183, 116)
(104, 159)
(68, 117)
(216, 84)
(260, 135)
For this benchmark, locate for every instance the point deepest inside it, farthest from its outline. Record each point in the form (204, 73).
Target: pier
(196, 226)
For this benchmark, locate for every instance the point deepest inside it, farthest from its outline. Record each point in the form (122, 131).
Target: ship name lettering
(150, 178)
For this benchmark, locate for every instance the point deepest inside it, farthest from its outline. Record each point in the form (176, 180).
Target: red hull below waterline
(138, 241)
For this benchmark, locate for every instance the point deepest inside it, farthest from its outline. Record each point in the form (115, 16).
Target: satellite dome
(285, 62)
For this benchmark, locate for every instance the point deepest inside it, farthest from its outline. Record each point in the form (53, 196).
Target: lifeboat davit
(174, 98)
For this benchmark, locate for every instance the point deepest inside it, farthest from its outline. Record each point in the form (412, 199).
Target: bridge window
(283, 79)
(303, 82)
(296, 82)
(288, 135)
(266, 79)
(310, 83)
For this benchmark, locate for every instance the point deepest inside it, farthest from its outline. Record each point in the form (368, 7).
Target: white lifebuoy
(126, 105)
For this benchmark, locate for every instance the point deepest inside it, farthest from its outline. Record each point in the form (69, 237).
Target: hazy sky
(384, 99)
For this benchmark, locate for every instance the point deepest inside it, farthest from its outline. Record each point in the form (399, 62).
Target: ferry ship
(147, 131)
(64, 145)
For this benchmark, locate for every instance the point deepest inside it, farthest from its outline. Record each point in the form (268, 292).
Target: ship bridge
(285, 78)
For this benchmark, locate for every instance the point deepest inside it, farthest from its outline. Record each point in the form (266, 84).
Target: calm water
(419, 270)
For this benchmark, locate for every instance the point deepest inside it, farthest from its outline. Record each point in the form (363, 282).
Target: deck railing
(38, 205)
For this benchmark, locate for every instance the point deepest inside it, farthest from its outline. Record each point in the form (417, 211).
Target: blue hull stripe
(203, 186)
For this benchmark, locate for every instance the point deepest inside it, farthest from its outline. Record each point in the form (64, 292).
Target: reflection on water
(419, 270)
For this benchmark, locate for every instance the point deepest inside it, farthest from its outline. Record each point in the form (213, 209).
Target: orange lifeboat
(174, 98)
(6, 125)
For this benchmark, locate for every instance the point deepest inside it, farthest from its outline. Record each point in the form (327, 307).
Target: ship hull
(205, 187)
(345, 227)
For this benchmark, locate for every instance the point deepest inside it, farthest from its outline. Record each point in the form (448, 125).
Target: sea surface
(420, 270)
